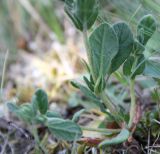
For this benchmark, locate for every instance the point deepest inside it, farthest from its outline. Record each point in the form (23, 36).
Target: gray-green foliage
(138, 48)
(37, 112)
(88, 93)
(134, 66)
(109, 48)
(40, 98)
(127, 67)
(121, 137)
(24, 112)
(145, 29)
(126, 42)
(64, 129)
(137, 64)
(83, 13)
(104, 46)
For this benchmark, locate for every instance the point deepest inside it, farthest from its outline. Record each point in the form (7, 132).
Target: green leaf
(152, 69)
(104, 46)
(139, 66)
(91, 79)
(85, 64)
(41, 99)
(75, 84)
(127, 67)
(40, 119)
(25, 112)
(138, 48)
(88, 83)
(134, 66)
(120, 138)
(83, 13)
(64, 129)
(100, 85)
(126, 42)
(145, 29)
(34, 103)
(53, 114)
(77, 115)
(89, 94)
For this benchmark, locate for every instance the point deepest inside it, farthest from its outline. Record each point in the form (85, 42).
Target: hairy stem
(101, 130)
(106, 100)
(36, 137)
(88, 50)
(133, 103)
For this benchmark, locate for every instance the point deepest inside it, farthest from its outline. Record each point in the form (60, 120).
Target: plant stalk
(106, 100)
(101, 130)
(88, 50)
(133, 103)
(36, 137)
(3, 75)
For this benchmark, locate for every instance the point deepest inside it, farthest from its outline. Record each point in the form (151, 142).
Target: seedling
(110, 47)
(37, 112)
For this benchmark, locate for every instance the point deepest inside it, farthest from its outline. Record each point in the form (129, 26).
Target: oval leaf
(120, 138)
(145, 29)
(126, 42)
(64, 129)
(104, 46)
(83, 13)
(41, 99)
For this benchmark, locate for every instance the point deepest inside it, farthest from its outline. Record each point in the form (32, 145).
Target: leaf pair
(104, 46)
(136, 62)
(29, 111)
(110, 47)
(126, 41)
